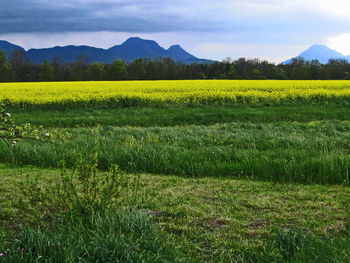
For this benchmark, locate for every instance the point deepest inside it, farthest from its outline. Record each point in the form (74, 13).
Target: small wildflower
(47, 134)
(8, 114)
(1, 254)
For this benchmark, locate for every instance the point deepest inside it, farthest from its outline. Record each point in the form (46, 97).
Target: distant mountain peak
(9, 47)
(323, 48)
(179, 53)
(177, 46)
(320, 52)
(139, 41)
(319, 46)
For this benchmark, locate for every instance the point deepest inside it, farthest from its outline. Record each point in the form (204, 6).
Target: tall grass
(313, 152)
(297, 246)
(109, 236)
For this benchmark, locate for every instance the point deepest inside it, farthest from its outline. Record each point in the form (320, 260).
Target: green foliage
(83, 222)
(116, 71)
(46, 71)
(167, 69)
(11, 133)
(108, 236)
(300, 72)
(256, 74)
(80, 191)
(281, 74)
(232, 72)
(4, 65)
(136, 70)
(97, 71)
(347, 76)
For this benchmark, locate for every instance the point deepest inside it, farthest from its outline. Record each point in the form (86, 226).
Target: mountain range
(320, 52)
(133, 48)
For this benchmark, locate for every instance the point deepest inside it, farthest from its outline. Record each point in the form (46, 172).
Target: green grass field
(219, 183)
(299, 143)
(215, 219)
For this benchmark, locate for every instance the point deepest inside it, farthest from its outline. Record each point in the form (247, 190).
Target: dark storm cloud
(259, 21)
(121, 16)
(215, 27)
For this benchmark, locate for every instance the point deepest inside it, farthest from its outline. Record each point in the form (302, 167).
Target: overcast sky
(268, 29)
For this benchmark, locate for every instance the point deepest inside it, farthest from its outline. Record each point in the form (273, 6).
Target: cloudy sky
(268, 29)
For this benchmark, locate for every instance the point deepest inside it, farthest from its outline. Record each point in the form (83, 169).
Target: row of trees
(19, 68)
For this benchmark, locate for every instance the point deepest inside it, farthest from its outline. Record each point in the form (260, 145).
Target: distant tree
(256, 74)
(227, 60)
(347, 76)
(96, 71)
(171, 69)
(116, 71)
(136, 70)
(4, 65)
(80, 68)
(20, 65)
(324, 73)
(195, 71)
(232, 72)
(337, 68)
(56, 66)
(281, 74)
(299, 69)
(46, 71)
(216, 70)
(300, 73)
(315, 68)
(243, 68)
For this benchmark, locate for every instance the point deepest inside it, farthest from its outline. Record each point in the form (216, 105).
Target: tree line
(19, 68)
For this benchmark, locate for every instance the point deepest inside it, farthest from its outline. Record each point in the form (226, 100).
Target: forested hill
(130, 50)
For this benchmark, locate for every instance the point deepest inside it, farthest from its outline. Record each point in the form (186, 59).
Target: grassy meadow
(229, 171)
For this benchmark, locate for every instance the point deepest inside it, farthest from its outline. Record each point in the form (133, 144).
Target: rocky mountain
(128, 51)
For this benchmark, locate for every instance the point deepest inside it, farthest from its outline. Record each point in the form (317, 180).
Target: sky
(267, 29)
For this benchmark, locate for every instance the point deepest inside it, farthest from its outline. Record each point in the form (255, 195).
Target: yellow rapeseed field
(130, 93)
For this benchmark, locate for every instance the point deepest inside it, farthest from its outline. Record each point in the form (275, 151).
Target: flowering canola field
(133, 93)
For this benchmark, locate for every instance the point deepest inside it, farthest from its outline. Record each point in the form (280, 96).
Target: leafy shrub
(79, 191)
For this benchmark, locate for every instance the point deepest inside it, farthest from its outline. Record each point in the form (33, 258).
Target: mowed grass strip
(217, 219)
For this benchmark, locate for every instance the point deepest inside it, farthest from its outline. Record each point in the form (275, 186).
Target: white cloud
(273, 53)
(340, 43)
